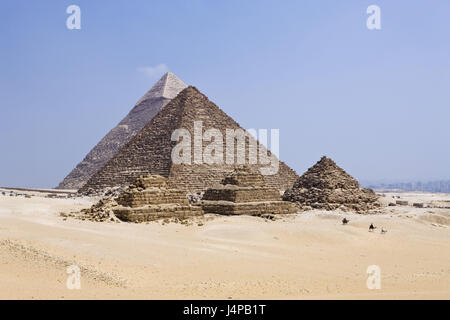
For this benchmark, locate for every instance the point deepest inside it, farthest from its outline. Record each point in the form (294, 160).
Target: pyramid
(149, 198)
(145, 109)
(243, 192)
(149, 152)
(327, 186)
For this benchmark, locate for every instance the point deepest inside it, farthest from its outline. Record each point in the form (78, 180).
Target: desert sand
(308, 255)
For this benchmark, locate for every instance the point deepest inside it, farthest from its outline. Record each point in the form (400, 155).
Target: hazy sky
(376, 101)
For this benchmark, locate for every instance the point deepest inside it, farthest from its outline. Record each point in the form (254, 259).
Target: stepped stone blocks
(245, 193)
(327, 186)
(145, 109)
(150, 151)
(150, 198)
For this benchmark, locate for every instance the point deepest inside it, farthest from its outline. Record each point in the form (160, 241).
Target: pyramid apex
(193, 89)
(326, 159)
(190, 91)
(167, 87)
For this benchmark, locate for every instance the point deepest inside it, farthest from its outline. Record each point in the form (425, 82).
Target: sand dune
(304, 256)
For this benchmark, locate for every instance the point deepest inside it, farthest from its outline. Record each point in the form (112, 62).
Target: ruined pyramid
(327, 186)
(150, 151)
(145, 109)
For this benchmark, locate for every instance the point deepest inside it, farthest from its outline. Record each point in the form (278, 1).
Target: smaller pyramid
(327, 186)
(245, 193)
(148, 198)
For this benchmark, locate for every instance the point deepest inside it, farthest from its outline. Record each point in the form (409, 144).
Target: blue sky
(378, 102)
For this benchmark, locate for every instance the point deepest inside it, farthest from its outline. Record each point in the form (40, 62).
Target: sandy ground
(304, 256)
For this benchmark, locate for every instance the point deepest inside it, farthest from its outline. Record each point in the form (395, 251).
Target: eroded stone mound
(327, 186)
(244, 192)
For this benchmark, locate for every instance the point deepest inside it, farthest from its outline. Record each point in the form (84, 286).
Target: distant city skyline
(440, 186)
(375, 101)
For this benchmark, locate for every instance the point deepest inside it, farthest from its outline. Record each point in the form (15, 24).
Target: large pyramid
(327, 186)
(149, 152)
(145, 109)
